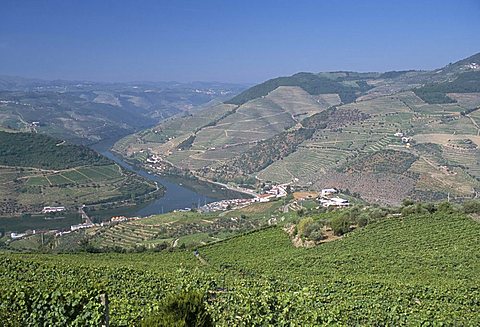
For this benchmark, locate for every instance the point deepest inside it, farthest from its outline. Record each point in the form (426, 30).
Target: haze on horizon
(241, 41)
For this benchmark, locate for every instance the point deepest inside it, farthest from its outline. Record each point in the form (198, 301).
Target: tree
(340, 224)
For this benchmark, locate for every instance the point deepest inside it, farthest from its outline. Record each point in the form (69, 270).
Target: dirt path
(475, 124)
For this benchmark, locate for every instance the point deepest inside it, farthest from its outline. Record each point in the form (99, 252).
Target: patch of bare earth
(384, 188)
(476, 217)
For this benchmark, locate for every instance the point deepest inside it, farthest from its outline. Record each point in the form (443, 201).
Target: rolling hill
(37, 170)
(87, 112)
(309, 129)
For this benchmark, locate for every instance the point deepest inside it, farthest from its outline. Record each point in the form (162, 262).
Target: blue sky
(230, 40)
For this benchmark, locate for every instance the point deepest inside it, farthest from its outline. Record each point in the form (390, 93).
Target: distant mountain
(384, 136)
(87, 112)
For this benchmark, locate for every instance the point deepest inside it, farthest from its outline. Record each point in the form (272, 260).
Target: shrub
(362, 220)
(184, 309)
(472, 206)
(445, 207)
(313, 231)
(303, 224)
(340, 224)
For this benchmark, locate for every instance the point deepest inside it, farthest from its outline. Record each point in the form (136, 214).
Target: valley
(316, 199)
(307, 129)
(87, 112)
(239, 163)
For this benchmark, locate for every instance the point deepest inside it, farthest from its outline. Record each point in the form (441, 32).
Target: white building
(52, 209)
(16, 236)
(334, 202)
(80, 226)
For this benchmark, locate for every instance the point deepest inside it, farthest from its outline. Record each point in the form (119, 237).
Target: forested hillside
(312, 83)
(42, 151)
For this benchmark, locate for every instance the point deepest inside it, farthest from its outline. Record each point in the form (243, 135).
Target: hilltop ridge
(266, 133)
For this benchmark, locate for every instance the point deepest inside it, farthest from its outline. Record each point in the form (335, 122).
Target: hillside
(307, 128)
(88, 112)
(37, 171)
(408, 270)
(41, 151)
(311, 83)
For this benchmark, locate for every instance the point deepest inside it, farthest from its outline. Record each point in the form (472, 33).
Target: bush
(362, 220)
(472, 206)
(340, 224)
(303, 224)
(184, 309)
(313, 231)
(446, 207)
(377, 213)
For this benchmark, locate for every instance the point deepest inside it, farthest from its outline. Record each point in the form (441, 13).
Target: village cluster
(326, 198)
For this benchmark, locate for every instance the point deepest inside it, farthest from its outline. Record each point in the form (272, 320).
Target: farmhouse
(334, 202)
(52, 209)
(16, 236)
(265, 197)
(278, 190)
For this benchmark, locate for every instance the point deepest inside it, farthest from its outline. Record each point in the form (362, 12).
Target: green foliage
(472, 206)
(181, 310)
(433, 97)
(21, 306)
(303, 224)
(404, 271)
(385, 161)
(311, 83)
(446, 207)
(187, 143)
(467, 82)
(41, 151)
(395, 74)
(340, 224)
(313, 231)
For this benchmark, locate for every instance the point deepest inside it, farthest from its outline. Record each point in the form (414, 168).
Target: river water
(179, 193)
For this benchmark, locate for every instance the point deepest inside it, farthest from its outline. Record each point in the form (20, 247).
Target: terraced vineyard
(411, 270)
(301, 165)
(39, 171)
(371, 113)
(171, 230)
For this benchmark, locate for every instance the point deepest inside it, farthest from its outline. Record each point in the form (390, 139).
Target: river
(179, 193)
